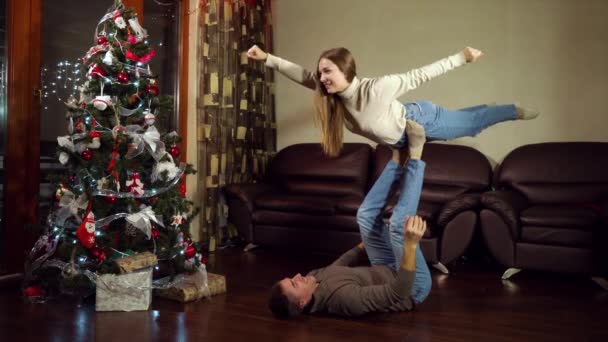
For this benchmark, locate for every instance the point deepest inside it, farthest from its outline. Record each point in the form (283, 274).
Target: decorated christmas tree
(124, 189)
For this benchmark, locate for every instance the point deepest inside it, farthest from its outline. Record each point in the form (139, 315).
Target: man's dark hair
(280, 305)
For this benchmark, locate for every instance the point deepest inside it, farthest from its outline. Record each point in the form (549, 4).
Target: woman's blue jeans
(443, 124)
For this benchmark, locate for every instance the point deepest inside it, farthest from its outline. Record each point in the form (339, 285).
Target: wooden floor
(471, 304)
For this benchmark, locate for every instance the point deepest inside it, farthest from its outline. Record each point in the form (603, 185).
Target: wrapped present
(216, 284)
(136, 262)
(190, 287)
(124, 292)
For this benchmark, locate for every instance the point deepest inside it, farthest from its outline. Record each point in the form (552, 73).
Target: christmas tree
(124, 189)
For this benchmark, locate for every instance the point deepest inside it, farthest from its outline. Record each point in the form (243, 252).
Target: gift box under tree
(131, 290)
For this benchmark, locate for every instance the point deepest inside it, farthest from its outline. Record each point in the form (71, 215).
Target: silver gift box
(124, 292)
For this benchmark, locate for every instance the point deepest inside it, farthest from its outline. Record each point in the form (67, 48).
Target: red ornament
(122, 77)
(111, 199)
(102, 40)
(95, 252)
(155, 233)
(203, 260)
(189, 252)
(102, 256)
(96, 71)
(86, 154)
(152, 90)
(182, 189)
(86, 230)
(174, 151)
(33, 291)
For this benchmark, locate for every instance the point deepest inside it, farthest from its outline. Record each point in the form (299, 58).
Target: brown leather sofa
(309, 201)
(549, 209)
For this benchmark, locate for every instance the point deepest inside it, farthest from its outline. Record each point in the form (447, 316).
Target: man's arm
(353, 257)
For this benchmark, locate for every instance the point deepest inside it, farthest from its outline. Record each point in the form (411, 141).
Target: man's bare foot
(416, 137)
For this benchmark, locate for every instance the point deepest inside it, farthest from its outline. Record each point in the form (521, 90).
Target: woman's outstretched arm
(291, 70)
(396, 85)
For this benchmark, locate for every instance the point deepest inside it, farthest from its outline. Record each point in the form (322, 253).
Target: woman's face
(331, 77)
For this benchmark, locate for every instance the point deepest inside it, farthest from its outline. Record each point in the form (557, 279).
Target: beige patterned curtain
(235, 106)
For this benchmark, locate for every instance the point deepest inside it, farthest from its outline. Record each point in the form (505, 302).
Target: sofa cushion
(426, 210)
(345, 223)
(581, 177)
(572, 216)
(557, 236)
(441, 193)
(447, 165)
(348, 205)
(297, 204)
(304, 169)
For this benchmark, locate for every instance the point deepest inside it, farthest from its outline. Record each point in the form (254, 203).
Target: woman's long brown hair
(329, 110)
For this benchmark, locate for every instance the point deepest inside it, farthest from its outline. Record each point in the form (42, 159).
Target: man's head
(289, 296)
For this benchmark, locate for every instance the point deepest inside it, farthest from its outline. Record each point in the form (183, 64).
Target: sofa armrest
(507, 204)
(248, 192)
(457, 205)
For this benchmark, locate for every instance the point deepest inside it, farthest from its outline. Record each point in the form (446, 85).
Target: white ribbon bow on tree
(149, 138)
(143, 219)
(69, 206)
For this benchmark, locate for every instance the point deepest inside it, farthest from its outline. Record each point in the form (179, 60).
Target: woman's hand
(471, 54)
(256, 53)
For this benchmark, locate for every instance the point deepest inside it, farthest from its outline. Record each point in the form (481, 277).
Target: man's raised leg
(374, 234)
(407, 205)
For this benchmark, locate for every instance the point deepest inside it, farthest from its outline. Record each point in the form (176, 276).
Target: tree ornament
(155, 233)
(158, 172)
(102, 40)
(95, 71)
(149, 118)
(95, 252)
(95, 140)
(86, 155)
(140, 32)
(119, 20)
(177, 220)
(152, 89)
(108, 58)
(33, 291)
(86, 230)
(59, 193)
(132, 39)
(182, 189)
(111, 199)
(80, 127)
(189, 252)
(174, 151)
(122, 77)
(134, 185)
(133, 99)
(101, 102)
(131, 230)
(102, 257)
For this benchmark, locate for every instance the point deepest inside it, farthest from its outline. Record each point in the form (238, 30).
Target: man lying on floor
(398, 278)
